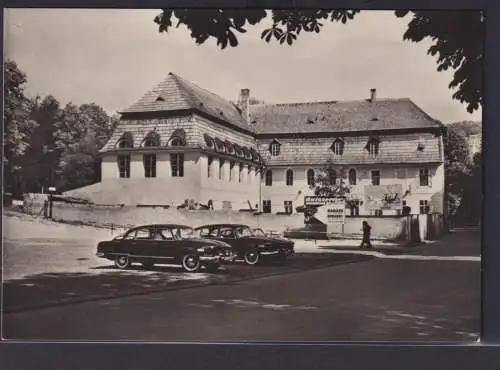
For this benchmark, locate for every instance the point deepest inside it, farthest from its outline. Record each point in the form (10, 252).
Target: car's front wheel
(191, 263)
(251, 257)
(122, 262)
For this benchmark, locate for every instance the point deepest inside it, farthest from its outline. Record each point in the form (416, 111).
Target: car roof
(160, 226)
(221, 225)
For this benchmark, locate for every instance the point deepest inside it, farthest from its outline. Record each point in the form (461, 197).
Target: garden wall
(131, 215)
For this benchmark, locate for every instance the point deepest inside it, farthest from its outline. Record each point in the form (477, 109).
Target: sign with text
(383, 197)
(330, 210)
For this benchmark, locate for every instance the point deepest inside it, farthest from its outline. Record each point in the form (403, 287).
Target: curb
(190, 285)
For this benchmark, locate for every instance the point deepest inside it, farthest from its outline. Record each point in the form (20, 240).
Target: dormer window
(160, 98)
(178, 138)
(152, 139)
(420, 145)
(209, 141)
(274, 148)
(338, 147)
(373, 146)
(229, 147)
(126, 141)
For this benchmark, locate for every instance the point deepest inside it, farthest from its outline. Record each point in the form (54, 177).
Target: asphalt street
(429, 292)
(373, 300)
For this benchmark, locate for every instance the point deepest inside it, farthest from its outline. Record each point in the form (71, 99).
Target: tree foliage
(456, 36)
(46, 144)
(18, 125)
(463, 175)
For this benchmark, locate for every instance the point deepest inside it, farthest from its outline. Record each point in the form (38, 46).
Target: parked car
(249, 244)
(314, 231)
(165, 244)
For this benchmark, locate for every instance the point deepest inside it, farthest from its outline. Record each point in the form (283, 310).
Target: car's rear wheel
(191, 263)
(122, 262)
(251, 257)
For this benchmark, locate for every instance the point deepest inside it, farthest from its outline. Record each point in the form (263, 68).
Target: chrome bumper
(100, 254)
(218, 259)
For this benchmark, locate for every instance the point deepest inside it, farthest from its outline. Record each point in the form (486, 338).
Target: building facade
(181, 143)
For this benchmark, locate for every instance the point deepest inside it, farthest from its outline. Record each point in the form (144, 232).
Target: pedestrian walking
(366, 243)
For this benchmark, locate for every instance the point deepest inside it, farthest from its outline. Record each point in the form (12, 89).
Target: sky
(113, 57)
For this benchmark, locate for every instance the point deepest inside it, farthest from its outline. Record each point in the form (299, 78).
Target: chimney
(243, 103)
(373, 95)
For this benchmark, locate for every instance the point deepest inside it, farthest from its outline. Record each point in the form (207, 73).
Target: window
(269, 178)
(126, 141)
(266, 206)
(274, 148)
(375, 177)
(289, 177)
(354, 205)
(231, 170)
(240, 172)
(288, 207)
(310, 177)
(424, 176)
(177, 142)
(149, 161)
(338, 147)
(373, 147)
(249, 177)
(151, 140)
(424, 207)
(221, 169)
(177, 165)
(332, 176)
(124, 166)
(352, 177)
(143, 234)
(209, 166)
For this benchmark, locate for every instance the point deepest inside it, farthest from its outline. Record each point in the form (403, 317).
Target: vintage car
(165, 244)
(249, 244)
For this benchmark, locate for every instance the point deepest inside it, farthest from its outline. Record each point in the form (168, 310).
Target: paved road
(373, 300)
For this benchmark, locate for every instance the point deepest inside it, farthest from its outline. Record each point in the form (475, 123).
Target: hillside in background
(466, 128)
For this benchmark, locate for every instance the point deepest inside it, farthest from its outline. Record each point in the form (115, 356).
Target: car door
(163, 245)
(142, 245)
(227, 234)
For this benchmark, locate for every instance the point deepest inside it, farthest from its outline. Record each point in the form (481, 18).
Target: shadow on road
(52, 289)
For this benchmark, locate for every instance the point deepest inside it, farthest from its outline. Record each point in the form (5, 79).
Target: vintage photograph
(242, 175)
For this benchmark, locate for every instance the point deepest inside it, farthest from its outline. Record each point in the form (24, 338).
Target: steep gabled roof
(176, 93)
(333, 116)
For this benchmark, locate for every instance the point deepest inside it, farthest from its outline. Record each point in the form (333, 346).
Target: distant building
(180, 142)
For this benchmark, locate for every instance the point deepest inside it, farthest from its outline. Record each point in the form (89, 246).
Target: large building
(181, 142)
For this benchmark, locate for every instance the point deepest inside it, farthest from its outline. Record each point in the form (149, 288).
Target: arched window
(126, 141)
(269, 178)
(152, 139)
(332, 176)
(289, 177)
(310, 177)
(352, 176)
(178, 138)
